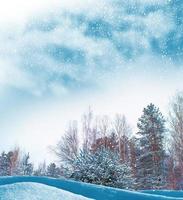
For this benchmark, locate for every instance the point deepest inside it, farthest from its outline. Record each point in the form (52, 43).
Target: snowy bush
(102, 167)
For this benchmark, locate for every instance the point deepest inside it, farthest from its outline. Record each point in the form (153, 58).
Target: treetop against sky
(59, 57)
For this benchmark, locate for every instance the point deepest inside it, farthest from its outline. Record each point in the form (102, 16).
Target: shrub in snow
(102, 167)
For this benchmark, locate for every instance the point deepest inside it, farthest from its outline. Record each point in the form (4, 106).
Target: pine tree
(53, 170)
(102, 167)
(4, 165)
(26, 166)
(9, 163)
(151, 127)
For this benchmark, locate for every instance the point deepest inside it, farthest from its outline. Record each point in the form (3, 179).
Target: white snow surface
(35, 191)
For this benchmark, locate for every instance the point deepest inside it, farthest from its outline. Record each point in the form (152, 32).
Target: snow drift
(35, 191)
(86, 190)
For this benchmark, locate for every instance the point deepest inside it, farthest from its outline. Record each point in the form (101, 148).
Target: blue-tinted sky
(58, 57)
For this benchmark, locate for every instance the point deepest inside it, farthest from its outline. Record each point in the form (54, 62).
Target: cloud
(68, 47)
(17, 11)
(58, 57)
(12, 76)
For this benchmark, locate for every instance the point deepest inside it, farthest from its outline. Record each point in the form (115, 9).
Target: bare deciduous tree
(14, 160)
(176, 128)
(122, 130)
(67, 148)
(104, 126)
(87, 129)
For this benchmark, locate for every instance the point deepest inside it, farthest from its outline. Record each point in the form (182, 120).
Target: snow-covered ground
(35, 191)
(44, 188)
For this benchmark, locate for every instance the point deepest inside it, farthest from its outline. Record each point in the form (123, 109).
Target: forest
(106, 151)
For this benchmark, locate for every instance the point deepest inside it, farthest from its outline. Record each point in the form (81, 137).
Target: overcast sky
(59, 57)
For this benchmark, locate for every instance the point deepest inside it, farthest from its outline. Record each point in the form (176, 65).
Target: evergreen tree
(9, 163)
(151, 127)
(53, 170)
(26, 166)
(102, 167)
(4, 165)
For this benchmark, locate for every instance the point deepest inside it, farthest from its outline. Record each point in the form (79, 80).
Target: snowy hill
(35, 191)
(43, 188)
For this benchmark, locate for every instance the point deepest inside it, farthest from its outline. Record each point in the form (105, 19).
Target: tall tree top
(151, 120)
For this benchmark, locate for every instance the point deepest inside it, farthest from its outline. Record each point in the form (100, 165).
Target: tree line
(112, 154)
(17, 163)
(108, 152)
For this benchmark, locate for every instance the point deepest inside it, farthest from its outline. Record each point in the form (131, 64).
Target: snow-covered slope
(35, 191)
(61, 186)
